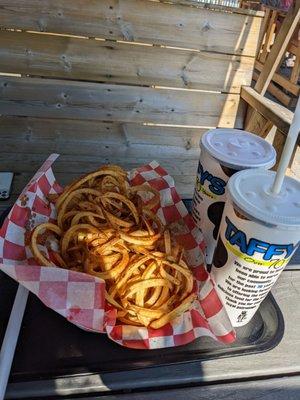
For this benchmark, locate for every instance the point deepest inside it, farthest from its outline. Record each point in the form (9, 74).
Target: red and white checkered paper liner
(80, 297)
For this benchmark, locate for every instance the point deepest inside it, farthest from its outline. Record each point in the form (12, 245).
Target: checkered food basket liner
(80, 297)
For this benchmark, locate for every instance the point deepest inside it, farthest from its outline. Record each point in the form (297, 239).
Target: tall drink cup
(223, 153)
(258, 235)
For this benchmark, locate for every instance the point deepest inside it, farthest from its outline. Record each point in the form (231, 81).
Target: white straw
(11, 337)
(287, 150)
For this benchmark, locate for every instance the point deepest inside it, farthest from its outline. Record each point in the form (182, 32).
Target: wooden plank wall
(123, 81)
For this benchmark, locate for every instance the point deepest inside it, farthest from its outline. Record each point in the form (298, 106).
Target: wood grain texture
(65, 99)
(262, 33)
(278, 143)
(281, 80)
(275, 91)
(294, 170)
(269, 36)
(84, 145)
(293, 47)
(228, 9)
(184, 183)
(94, 60)
(80, 164)
(137, 20)
(67, 163)
(277, 51)
(41, 131)
(281, 42)
(259, 125)
(277, 114)
(296, 69)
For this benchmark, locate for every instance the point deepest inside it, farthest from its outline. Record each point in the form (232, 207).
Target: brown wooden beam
(281, 80)
(280, 116)
(275, 91)
(279, 47)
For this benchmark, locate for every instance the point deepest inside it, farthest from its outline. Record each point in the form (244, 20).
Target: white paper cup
(258, 235)
(223, 153)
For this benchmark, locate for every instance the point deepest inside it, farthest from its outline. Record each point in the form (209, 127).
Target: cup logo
(237, 241)
(216, 185)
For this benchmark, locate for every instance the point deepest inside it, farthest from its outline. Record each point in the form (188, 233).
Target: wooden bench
(123, 81)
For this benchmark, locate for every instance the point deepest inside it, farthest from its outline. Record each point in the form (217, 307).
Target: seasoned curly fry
(34, 247)
(105, 229)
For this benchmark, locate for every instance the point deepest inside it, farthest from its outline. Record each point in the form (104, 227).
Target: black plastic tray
(50, 347)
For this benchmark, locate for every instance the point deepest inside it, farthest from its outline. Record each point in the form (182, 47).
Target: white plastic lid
(239, 149)
(250, 190)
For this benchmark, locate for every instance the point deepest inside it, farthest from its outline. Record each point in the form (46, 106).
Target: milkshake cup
(223, 153)
(258, 235)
